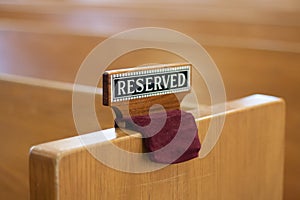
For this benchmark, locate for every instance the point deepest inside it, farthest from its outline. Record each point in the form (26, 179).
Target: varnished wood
(240, 77)
(256, 50)
(246, 163)
(256, 26)
(244, 71)
(33, 111)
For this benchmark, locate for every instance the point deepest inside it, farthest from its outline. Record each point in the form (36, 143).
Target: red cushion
(177, 140)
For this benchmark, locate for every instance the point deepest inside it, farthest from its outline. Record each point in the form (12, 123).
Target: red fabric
(177, 141)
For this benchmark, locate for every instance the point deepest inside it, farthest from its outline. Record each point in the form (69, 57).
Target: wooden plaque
(140, 87)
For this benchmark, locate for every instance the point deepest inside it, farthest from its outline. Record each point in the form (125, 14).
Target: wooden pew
(246, 163)
(247, 62)
(244, 71)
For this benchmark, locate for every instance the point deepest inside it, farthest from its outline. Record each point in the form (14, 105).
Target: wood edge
(252, 101)
(44, 162)
(106, 93)
(36, 82)
(58, 149)
(50, 84)
(43, 175)
(146, 67)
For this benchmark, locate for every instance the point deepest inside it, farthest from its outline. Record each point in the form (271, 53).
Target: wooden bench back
(246, 163)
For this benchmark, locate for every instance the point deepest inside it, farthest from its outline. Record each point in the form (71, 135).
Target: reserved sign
(133, 83)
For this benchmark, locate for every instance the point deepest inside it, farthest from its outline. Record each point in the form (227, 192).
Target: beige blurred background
(255, 44)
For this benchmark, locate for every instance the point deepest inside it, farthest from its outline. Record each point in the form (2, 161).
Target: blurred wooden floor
(256, 50)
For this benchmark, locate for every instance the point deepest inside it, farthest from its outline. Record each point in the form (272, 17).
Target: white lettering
(181, 79)
(165, 82)
(173, 80)
(157, 81)
(140, 84)
(148, 82)
(121, 88)
(129, 86)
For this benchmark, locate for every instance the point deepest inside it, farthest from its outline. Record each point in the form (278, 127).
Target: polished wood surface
(244, 71)
(256, 50)
(246, 163)
(32, 111)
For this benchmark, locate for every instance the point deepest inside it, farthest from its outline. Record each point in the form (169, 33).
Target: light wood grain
(256, 49)
(258, 27)
(32, 114)
(34, 111)
(244, 71)
(246, 163)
